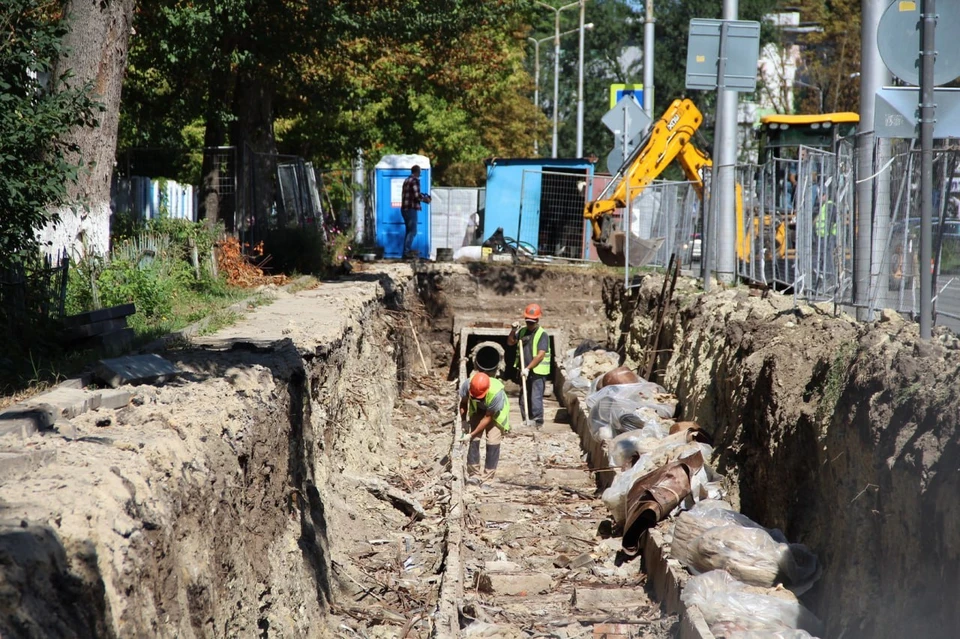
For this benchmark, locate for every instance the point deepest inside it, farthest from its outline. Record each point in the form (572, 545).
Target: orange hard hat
(532, 312)
(479, 385)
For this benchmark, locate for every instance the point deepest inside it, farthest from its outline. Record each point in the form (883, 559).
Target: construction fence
(551, 225)
(797, 226)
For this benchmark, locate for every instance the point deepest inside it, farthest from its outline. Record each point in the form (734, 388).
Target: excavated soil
(842, 434)
(299, 479)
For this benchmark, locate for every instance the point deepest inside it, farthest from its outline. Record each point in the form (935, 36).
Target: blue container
(516, 194)
(389, 174)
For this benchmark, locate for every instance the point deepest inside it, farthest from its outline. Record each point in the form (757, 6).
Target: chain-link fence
(669, 211)
(897, 283)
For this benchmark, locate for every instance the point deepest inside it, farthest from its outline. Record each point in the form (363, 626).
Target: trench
(269, 491)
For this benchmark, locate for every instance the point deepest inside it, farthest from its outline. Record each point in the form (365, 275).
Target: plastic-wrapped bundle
(576, 384)
(709, 538)
(619, 407)
(730, 606)
(627, 447)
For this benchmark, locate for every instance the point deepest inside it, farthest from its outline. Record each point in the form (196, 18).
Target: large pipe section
(488, 357)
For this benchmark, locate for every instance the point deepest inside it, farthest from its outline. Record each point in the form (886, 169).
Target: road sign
(898, 38)
(628, 122)
(617, 91)
(742, 51)
(896, 113)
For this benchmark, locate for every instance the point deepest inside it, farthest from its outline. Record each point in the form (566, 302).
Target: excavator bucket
(614, 251)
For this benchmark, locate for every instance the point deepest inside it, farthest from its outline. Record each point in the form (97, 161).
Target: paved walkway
(534, 562)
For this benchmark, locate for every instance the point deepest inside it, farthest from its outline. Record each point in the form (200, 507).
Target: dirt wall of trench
(842, 434)
(203, 508)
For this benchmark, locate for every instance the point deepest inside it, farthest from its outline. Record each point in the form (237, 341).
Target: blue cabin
(540, 201)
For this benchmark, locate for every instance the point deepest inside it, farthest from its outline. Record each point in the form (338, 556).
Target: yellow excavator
(669, 139)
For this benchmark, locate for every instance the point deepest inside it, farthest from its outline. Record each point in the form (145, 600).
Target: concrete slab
(16, 464)
(607, 599)
(100, 315)
(566, 476)
(135, 369)
(23, 421)
(68, 402)
(114, 398)
(500, 566)
(514, 584)
(501, 512)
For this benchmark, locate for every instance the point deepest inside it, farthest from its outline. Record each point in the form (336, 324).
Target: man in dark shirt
(410, 208)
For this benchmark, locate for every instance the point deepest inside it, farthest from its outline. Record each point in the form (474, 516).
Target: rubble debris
(380, 489)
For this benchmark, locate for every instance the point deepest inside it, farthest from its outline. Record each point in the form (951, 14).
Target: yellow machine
(668, 140)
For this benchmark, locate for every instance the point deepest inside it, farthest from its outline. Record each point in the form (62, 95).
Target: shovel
(523, 386)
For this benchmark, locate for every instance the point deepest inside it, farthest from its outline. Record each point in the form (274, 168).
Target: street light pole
(536, 70)
(536, 87)
(556, 62)
(580, 87)
(815, 88)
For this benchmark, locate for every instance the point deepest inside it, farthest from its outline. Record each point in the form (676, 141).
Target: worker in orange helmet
(484, 403)
(535, 365)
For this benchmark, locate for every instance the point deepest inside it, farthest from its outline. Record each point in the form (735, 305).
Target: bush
(295, 250)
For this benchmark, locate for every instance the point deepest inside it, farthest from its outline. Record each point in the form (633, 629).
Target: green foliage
(35, 166)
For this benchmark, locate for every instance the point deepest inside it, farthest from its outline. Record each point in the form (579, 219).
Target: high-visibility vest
(821, 226)
(502, 419)
(543, 368)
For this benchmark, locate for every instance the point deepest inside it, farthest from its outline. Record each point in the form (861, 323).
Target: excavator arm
(668, 138)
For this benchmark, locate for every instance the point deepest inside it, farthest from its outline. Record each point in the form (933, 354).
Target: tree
(39, 105)
(831, 55)
(94, 56)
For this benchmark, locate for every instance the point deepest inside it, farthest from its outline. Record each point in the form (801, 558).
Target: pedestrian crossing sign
(617, 91)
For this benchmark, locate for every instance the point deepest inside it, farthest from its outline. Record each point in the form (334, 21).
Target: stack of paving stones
(105, 330)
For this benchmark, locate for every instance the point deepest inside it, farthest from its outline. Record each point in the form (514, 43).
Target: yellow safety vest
(543, 368)
(502, 419)
(821, 227)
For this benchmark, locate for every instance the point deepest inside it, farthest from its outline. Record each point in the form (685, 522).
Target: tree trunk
(97, 53)
(253, 132)
(215, 136)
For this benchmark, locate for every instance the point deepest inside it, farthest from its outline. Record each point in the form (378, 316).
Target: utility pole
(725, 173)
(872, 216)
(928, 56)
(648, 37)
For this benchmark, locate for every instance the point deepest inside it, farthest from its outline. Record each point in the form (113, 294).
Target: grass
(43, 365)
(836, 379)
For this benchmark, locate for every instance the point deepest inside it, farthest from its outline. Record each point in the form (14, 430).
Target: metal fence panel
(450, 216)
(551, 222)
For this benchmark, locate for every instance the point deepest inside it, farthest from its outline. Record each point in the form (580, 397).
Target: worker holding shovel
(484, 403)
(533, 362)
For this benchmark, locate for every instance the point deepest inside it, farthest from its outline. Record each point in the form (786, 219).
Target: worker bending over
(484, 403)
(535, 365)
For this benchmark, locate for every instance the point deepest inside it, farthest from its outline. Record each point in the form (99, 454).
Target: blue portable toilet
(389, 174)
